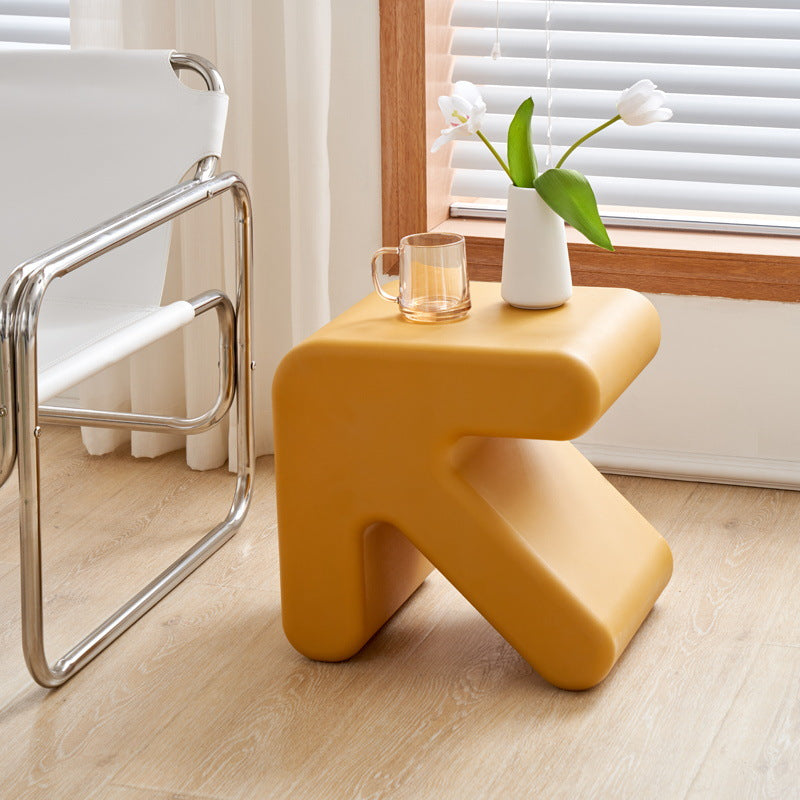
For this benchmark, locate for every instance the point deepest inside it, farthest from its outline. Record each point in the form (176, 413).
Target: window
(730, 157)
(34, 23)
(417, 66)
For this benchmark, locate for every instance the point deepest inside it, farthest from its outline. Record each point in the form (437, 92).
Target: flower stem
(588, 135)
(495, 154)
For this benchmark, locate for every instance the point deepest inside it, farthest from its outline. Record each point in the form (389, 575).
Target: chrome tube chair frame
(20, 304)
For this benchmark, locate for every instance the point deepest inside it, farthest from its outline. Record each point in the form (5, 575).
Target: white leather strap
(87, 360)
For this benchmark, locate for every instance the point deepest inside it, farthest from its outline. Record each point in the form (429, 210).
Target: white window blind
(728, 159)
(34, 23)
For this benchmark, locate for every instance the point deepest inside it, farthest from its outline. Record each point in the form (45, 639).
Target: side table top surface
(594, 318)
(501, 371)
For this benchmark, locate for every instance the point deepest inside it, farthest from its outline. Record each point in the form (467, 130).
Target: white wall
(721, 400)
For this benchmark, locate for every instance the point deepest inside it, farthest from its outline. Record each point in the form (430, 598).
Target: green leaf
(569, 194)
(521, 158)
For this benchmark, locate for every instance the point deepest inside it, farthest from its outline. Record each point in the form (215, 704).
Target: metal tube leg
(29, 481)
(245, 442)
(29, 508)
(8, 438)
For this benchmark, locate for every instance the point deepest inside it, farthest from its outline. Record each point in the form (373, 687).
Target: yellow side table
(400, 446)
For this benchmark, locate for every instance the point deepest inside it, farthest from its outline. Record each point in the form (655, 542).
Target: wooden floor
(204, 698)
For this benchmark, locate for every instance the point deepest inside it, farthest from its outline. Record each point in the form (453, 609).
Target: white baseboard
(764, 472)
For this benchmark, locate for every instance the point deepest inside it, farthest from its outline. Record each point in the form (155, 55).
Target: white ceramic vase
(536, 270)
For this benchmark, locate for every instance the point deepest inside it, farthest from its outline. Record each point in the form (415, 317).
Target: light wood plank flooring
(204, 698)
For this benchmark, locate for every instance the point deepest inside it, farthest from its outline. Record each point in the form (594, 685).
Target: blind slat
(733, 4)
(653, 48)
(688, 108)
(734, 81)
(755, 170)
(692, 20)
(652, 193)
(675, 136)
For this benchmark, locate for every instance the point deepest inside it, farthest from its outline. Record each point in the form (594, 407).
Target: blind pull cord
(496, 49)
(548, 82)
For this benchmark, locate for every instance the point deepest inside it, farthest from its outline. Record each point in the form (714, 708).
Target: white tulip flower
(642, 104)
(463, 111)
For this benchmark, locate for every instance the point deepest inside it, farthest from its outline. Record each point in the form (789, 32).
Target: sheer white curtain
(275, 61)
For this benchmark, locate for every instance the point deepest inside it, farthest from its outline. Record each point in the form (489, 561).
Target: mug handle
(378, 256)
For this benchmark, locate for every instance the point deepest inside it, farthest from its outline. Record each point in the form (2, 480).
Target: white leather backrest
(84, 135)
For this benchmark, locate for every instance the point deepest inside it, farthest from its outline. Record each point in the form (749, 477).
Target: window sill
(742, 266)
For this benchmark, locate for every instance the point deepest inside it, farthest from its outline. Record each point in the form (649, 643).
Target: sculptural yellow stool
(400, 446)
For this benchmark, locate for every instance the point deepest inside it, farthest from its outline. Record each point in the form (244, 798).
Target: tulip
(639, 104)
(642, 104)
(463, 111)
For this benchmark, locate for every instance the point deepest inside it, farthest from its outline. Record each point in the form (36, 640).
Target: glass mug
(433, 277)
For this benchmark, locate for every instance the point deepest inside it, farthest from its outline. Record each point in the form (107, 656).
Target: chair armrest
(130, 224)
(22, 296)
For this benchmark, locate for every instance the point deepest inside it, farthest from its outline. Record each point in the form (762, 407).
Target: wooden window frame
(416, 68)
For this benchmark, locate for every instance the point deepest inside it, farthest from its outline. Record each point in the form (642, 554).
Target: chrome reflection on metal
(28, 285)
(202, 66)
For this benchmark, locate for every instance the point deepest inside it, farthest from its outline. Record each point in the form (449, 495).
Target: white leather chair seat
(76, 340)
